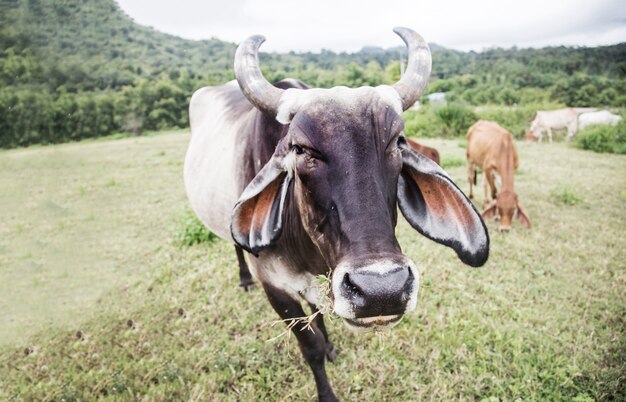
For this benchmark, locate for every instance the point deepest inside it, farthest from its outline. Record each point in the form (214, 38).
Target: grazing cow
(308, 182)
(554, 120)
(601, 117)
(428, 152)
(491, 147)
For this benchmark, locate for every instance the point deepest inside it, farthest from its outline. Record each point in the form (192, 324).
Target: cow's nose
(504, 229)
(374, 294)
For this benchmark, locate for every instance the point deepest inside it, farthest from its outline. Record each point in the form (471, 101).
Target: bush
(450, 120)
(421, 123)
(456, 119)
(608, 139)
(191, 231)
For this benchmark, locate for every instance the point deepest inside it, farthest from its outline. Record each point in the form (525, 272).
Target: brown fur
(428, 152)
(491, 147)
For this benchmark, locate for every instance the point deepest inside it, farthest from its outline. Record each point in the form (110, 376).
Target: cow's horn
(413, 82)
(255, 87)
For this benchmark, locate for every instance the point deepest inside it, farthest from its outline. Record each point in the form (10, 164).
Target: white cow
(554, 120)
(601, 117)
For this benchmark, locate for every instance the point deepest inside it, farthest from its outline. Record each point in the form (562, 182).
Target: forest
(74, 69)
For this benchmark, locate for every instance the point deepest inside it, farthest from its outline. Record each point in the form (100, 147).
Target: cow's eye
(297, 149)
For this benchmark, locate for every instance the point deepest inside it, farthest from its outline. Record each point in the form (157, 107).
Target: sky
(349, 25)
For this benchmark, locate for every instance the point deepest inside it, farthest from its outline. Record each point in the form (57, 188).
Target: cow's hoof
(246, 284)
(331, 352)
(330, 397)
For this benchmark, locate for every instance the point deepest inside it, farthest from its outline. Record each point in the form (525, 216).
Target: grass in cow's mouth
(325, 300)
(325, 307)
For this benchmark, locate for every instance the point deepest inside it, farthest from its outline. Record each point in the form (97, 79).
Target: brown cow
(491, 147)
(430, 153)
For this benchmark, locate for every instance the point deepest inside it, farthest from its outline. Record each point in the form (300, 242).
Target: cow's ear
(523, 216)
(439, 210)
(257, 219)
(490, 210)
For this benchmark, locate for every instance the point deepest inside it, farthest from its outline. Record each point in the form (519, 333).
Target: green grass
(78, 220)
(110, 306)
(448, 162)
(566, 196)
(191, 231)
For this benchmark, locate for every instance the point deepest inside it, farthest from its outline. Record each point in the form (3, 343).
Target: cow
(428, 152)
(595, 118)
(491, 147)
(308, 182)
(554, 120)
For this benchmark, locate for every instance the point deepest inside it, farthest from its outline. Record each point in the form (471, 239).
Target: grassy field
(78, 220)
(98, 301)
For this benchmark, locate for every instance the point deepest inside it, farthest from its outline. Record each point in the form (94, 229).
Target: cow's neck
(506, 166)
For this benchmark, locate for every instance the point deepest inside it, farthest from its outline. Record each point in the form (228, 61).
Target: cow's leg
(550, 134)
(490, 179)
(331, 353)
(245, 279)
(569, 135)
(312, 342)
(471, 177)
(486, 197)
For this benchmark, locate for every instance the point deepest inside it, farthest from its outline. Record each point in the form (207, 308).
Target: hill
(71, 69)
(92, 44)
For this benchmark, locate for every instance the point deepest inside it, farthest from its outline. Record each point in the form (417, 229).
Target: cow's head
(530, 136)
(347, 166)
(505, 207)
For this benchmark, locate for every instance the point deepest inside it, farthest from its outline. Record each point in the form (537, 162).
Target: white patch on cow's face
(294, 99)
(289, 163)
(344, 308)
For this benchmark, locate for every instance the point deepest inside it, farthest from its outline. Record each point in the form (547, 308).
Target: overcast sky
(348, 25)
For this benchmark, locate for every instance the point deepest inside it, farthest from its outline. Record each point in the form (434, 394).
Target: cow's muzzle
(376, 294)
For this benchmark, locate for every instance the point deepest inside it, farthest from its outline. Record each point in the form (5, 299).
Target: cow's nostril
(353, 290)
(408, 285)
